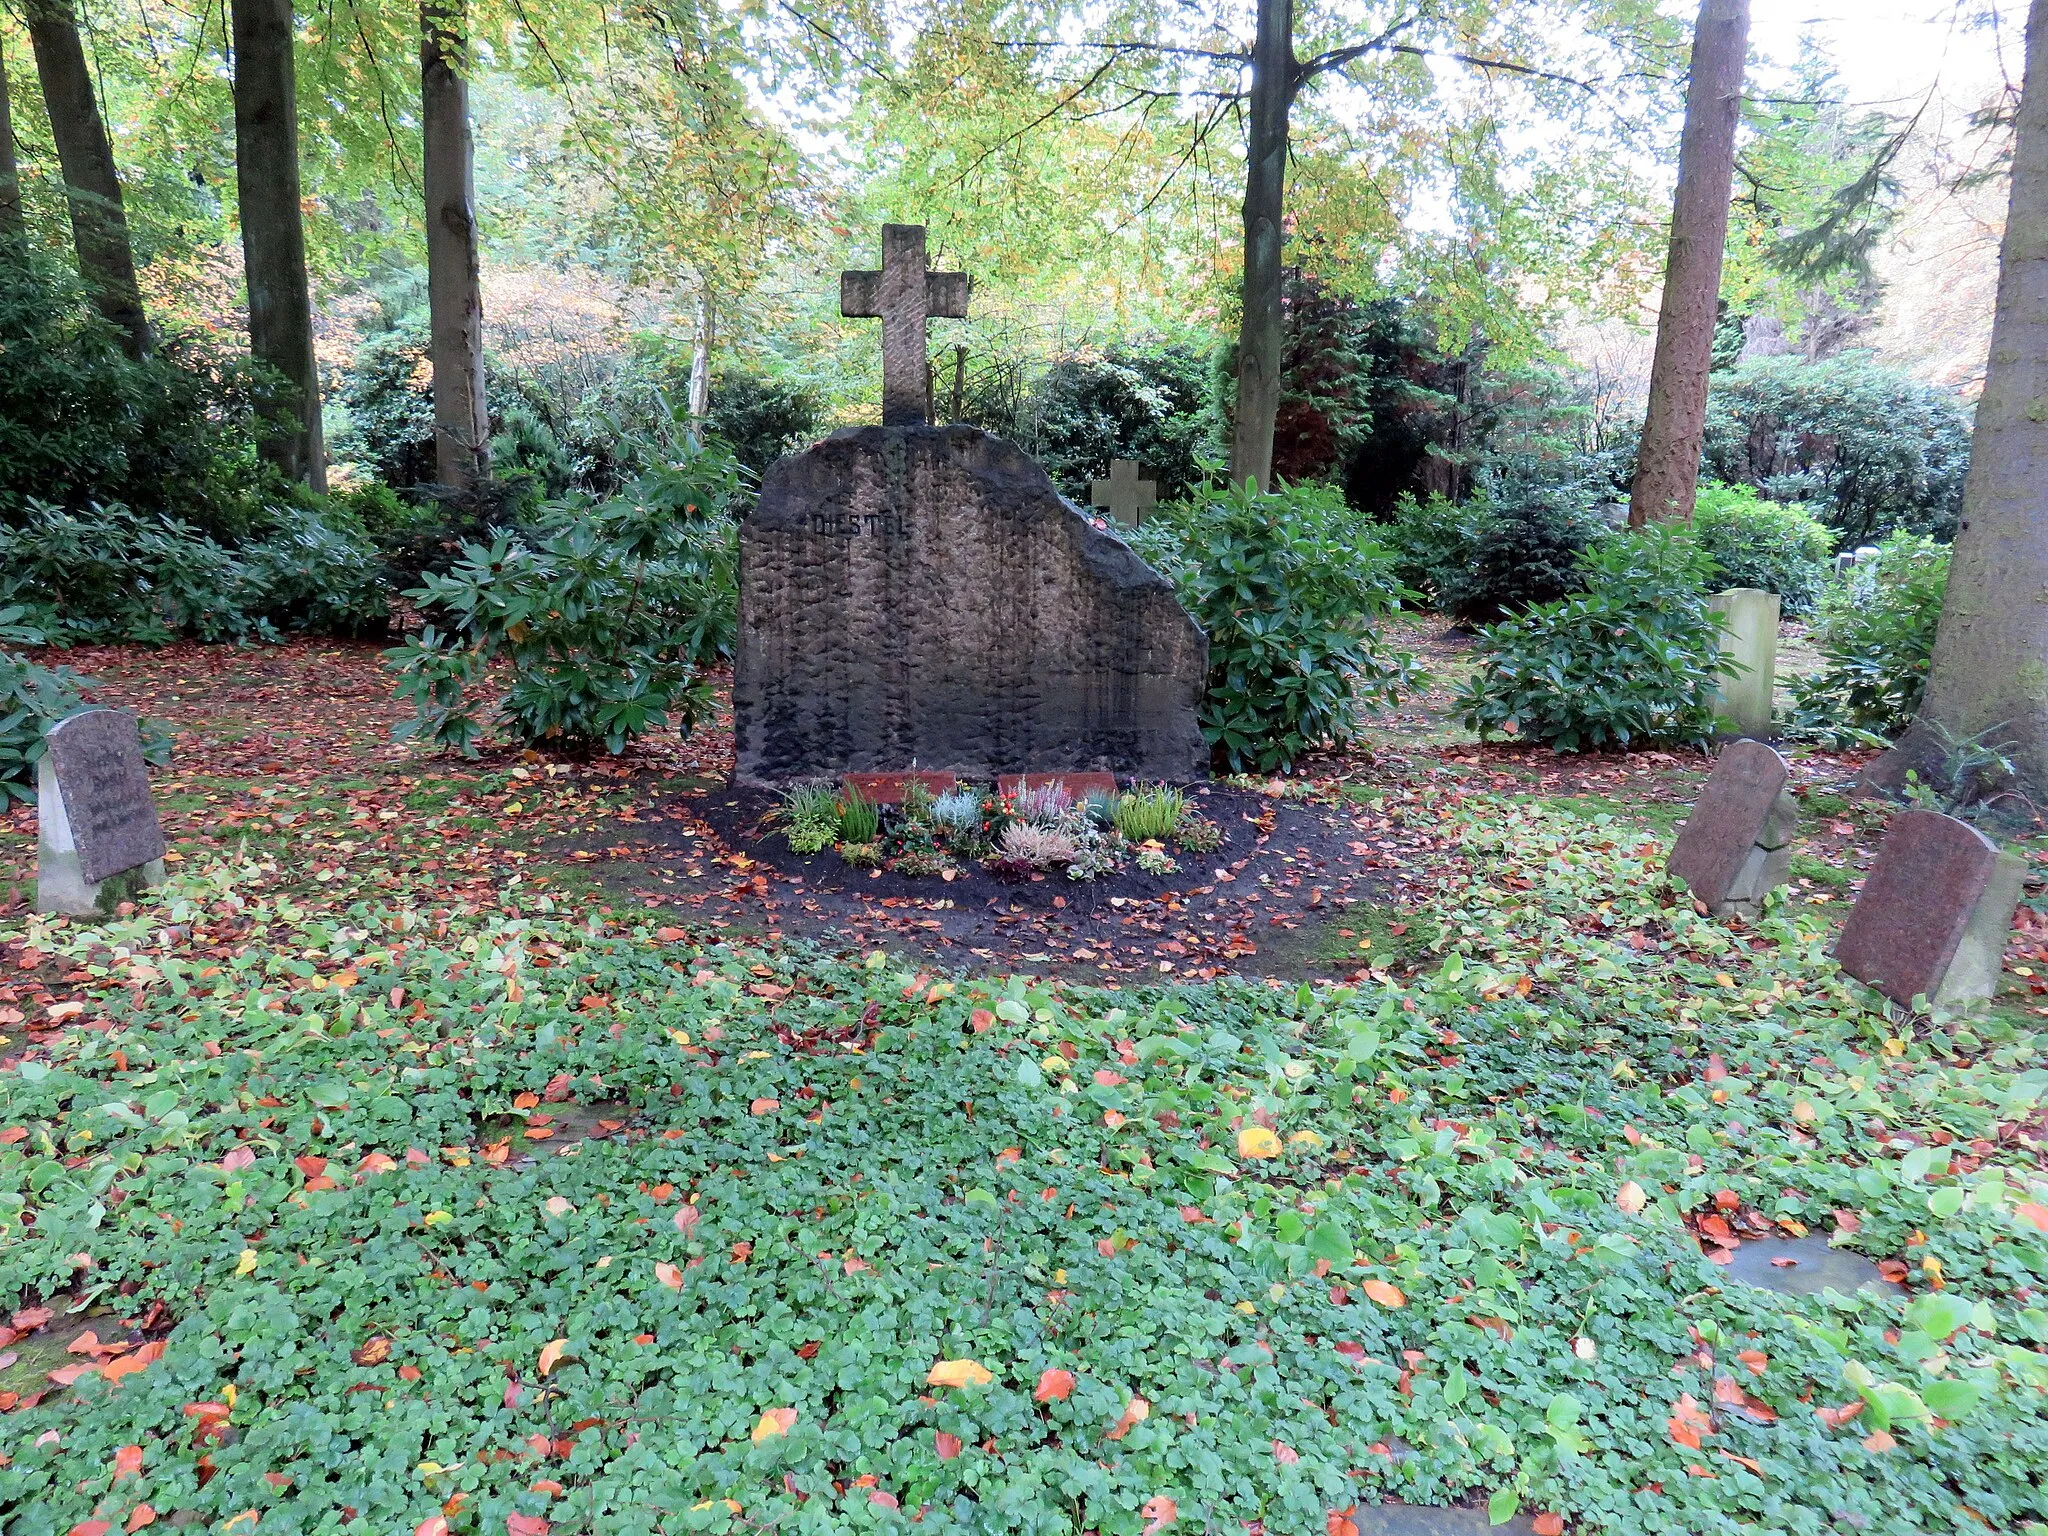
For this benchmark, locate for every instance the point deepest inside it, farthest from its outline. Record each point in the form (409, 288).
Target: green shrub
(1875, 634)
(1764, 544)
(1148, 402)
(83, 424)
(316, 570)
(1432, 540)
(1535, 518)
(762, 418)
(1629, 661)
(609, 615)
(387, 394)
(1287, 586)
(1515, 542)
(111, 573)
(1868, 449)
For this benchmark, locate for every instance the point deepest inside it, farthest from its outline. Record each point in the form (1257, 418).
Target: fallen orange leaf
(1054, 1386)
(774, 1421)
(1688, 1422)
(1383, 1293)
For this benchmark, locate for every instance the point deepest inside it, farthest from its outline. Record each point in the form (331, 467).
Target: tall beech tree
(1989, 675)
(92, 186)
(1668, 463)
(12, 225)
(273, 229)
(462, 432)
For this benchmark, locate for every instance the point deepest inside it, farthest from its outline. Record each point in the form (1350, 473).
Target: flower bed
(1019, 828)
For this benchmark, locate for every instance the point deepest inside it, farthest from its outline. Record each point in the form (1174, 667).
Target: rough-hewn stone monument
(1737, 844)
(1935, 912)
(919, 596)
(98, 838)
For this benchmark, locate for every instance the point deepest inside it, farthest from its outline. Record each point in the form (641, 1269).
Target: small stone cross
(903, 295)
(1123, 493)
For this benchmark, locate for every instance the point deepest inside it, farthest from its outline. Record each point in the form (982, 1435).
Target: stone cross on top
(903, 295)
(1124, 495)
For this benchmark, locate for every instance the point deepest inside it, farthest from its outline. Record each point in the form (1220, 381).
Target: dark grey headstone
(1935, 912)
(97, 759)
(1737, 844)
(1804, 1266)
(922, 596)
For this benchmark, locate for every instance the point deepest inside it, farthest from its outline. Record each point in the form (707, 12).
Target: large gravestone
(1737, 845)
(1935, 912)
(919, 596)
(98, 838)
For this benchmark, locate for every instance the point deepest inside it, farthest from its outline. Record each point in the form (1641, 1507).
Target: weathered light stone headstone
(1737, 844)
(98, 838)
(1749, 638)
(1935, 912)
(1123, 494)
(912, 594)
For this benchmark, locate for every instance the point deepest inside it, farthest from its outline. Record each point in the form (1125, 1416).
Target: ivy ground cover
(390, 1219)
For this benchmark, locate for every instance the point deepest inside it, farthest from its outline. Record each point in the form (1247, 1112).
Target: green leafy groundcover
(1435, 1287)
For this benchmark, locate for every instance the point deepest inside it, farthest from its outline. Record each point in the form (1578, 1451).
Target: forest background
(1475, 206)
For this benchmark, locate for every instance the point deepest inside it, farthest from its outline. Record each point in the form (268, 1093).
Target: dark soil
(1273, 900)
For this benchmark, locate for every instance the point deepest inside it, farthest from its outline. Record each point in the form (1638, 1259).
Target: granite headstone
(98, 837)
(1935, 912)
(923, 595)
(1737, 844)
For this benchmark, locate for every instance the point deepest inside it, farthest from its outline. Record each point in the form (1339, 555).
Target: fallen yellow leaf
(959, 1373)
(246, 1265)
(1257, 1141)
(1631, 1199)
(776, 1421)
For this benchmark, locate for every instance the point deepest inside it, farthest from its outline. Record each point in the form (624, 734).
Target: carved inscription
(97, 757)
(850, 525)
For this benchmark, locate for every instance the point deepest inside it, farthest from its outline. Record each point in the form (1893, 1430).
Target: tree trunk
(13, 227)
(1989, 675)
(1668, 463)
(273, 233)
(99, 226)
(1259, 339)
(700, 365)
(462, 430)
